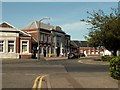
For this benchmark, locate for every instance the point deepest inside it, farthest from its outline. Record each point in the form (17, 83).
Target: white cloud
(77, 26)
(77, 30)
(71, 26)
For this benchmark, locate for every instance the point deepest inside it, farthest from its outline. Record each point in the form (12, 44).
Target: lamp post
(39, 25)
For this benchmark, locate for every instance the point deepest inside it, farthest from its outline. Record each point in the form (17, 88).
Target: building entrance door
(34, 50)
(44, 51)
(58, 51)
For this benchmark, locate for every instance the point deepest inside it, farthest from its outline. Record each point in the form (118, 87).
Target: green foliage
(97, 59)
(105, 30)
(106, 58)
(115, 68)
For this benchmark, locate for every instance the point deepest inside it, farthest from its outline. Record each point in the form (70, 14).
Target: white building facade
(14, 43)
(8, 37)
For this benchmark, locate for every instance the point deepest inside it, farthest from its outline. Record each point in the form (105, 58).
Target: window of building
(88, 51)
(48, 50)
(24, 46)
(11, 46)
(97, 52)
(41, 37)
(58, 43)
(1, 45)
(81, 51)
(49, 39)
(45, 38)
(92, 51)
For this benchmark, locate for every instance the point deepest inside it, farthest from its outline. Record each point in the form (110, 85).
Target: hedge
(106, 58)
(115, 67)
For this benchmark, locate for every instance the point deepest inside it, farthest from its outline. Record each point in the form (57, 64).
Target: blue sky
(65, 14)
(60, 0)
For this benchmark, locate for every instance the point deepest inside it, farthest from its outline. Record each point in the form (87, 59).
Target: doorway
(58, 51)
(44, 51)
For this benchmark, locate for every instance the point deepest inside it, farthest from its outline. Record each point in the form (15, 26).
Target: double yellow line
(38, 83)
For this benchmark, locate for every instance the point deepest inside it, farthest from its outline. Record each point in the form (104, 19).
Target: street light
(39, 25)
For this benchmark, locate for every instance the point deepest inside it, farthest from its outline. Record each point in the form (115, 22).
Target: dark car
(82, 55)
(73, 55)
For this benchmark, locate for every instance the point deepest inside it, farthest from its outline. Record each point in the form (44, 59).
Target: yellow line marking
(35, 83)
(40, 82)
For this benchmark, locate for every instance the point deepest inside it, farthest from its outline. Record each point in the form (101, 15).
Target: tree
(105, 30)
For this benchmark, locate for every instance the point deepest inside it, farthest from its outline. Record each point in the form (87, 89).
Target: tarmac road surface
(61, 74)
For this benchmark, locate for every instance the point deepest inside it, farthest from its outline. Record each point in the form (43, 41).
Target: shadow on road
(87, 68)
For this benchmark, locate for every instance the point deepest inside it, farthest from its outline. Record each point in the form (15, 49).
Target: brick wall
(17, 45)
(26, 56)
(32, 32)
(92, 51)
(27, 38)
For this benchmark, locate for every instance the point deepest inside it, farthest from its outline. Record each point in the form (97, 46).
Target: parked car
(73, 55)
(82, 55)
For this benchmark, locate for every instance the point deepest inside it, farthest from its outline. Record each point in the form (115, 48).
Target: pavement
(55, 58)
(80, 60)
(83, 80)
(93, 62)
(32, 60)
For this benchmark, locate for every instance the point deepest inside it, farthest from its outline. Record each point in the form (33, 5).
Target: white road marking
(19, 74)
(29, 74)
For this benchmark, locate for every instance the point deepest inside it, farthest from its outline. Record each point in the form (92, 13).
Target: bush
(107, 58)
(97, 59)
(115, 68)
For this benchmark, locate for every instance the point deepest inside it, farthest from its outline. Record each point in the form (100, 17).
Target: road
(70, 72)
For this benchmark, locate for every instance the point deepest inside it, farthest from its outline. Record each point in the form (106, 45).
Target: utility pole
(39, 27)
